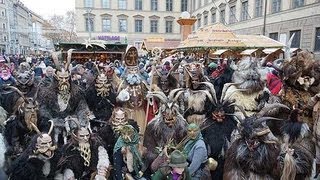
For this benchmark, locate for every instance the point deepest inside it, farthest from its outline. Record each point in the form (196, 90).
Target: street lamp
(89, 21)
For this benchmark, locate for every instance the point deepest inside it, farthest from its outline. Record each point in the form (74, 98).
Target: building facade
(129, 21)
(20, 29)
(283, 18)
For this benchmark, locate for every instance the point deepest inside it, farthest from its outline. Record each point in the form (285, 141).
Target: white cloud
(47, 8)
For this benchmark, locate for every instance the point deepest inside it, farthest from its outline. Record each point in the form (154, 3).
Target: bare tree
(61, 29)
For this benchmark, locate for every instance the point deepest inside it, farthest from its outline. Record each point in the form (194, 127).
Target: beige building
(3, 27)
(129, 21)
(283, 18)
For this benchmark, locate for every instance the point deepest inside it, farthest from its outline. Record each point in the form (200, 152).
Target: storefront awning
(219, 52)
(248, 52)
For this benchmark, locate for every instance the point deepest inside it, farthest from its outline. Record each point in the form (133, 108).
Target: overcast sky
(47, 8)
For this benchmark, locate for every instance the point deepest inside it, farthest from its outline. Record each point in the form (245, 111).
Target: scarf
(189, 145)
(274, 83)
(137, 161)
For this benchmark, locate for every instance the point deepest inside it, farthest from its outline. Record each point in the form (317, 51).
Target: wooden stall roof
(80, 47)
(272, 50)
(218, 36)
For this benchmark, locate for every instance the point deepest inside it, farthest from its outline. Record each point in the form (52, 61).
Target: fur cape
(158, 134)
(72, 159)
(30, 167)
(48, 101)
(217, 137)
(101, 106)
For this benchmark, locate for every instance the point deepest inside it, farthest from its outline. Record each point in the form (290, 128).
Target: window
(154, 26)
(2, 1)
(89, 24)
(317, 40)
(274, 36)
(276, 6)
(205, 19)
(122, 25)
(154, 5)
(3, 14)
(232, 15)
(138, 5)
(298, 3)
(4, 38)
(222, 16)
(169, 27)
(4, 26)
(244, 11)
(138, 25)
(184, 5)
(88, 3)
(296, 39)
(213, 17)
(199, 22)
(258, 12)
(105, 3)
(106, 25)
(122, 4)
(168, 5)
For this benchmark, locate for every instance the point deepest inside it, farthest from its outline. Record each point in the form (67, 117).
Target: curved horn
(225, 88)
(56, 60)
(68, 59)
(173, 92)
(35, 128)
(75, 121)
(89, 128)
(212, 90)
(177, 96)
(269, 107)
(159, 95)
(17, 90)
(263, 119)
(51, 127)
(208, 95)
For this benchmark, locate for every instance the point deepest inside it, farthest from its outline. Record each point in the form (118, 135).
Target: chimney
(186, 23)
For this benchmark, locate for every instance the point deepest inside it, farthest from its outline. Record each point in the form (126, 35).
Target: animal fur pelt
(298, 147)
(217, 136)
(158, 134)
(30, 167)
(48, 101)
(101, 106)
(219, 81)
(72, 159)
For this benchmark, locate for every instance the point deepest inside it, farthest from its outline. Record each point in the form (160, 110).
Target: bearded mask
(118, 119)
(102, 86)
(193, 131)
(194, 71)
(83, 136)
(63, 81)
(29, 108)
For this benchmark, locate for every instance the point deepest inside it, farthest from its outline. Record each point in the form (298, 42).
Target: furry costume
(101, 103)
(198, 94)
(298, 149)
(73, 160)
(39, 161)
(253, 154)
(168, 126)
(247, 86)
(221, 76)
(217, 131)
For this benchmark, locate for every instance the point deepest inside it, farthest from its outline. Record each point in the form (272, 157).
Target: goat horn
(263, 119)
(35, 128)
(17, 90)
(75, 121)
(212, 90)
(159, 95)
(224, 89)
(242, 110)
(177, 96)
(51, 127)
(68, 58)
(269, 107)
(172, 92)
(55, 60)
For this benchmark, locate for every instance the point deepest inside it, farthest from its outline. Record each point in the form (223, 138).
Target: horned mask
(119, 118)
(103, 85)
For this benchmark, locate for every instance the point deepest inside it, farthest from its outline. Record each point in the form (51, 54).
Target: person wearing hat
(175, 170)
